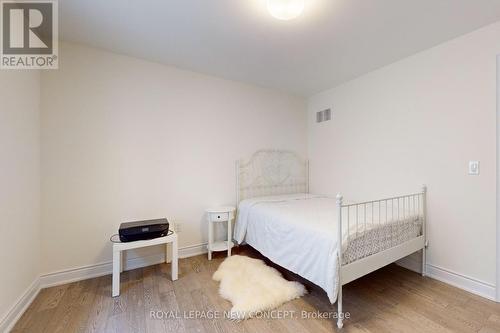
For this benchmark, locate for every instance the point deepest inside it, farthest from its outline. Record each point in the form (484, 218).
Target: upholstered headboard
(271, 172)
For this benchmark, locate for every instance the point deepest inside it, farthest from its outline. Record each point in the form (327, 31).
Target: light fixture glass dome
(285, 9)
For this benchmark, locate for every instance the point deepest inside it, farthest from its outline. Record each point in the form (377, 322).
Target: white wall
(19, 185)
(126, 139)
(420, 121)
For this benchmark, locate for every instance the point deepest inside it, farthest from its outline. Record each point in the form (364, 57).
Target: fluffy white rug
(253, 287)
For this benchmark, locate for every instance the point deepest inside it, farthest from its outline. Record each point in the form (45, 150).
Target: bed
(302, 233)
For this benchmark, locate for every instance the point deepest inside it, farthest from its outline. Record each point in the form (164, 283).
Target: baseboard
(475, 286)
(410, 263)
(193, 250)
(83, 273)
(461, 281)
(469, 284)
(97, 270)
(17, 310)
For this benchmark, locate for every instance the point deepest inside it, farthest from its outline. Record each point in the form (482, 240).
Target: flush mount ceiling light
(285, 9)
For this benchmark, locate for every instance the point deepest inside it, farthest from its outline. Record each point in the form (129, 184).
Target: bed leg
(424, 228)
(423, 261)
(340, 314)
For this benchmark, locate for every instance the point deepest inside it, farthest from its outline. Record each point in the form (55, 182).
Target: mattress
(380, 237)
(299, 233)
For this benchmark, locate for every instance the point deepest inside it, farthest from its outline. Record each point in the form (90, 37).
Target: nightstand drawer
(214, 217)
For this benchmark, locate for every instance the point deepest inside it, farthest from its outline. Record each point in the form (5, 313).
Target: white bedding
(299, 233)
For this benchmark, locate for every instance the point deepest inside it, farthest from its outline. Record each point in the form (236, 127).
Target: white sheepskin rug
(253, 287)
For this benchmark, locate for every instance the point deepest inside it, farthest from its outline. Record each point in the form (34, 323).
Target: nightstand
(216, 215)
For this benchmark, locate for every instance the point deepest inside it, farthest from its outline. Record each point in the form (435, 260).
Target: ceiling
(332, 42)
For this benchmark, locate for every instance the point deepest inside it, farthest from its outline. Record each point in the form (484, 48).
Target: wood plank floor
(389, 300)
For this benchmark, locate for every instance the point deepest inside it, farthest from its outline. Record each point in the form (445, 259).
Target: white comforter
(298, 232)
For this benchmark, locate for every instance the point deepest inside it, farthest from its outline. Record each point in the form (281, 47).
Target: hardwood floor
(389, 300)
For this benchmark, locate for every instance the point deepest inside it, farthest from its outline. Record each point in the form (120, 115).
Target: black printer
(142, 230)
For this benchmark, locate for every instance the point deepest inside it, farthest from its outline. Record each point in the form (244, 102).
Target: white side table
(118, 247)
(215, 215)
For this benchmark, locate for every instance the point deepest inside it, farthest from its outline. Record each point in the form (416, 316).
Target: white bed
(301, 232)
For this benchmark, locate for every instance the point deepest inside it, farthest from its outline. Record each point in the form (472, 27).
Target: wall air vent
(324, 115)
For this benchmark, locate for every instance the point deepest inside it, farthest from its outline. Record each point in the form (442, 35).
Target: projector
(142, 230)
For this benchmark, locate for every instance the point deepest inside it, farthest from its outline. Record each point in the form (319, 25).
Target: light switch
(474, 168)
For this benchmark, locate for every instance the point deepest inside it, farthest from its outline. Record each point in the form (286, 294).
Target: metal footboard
(383, 230)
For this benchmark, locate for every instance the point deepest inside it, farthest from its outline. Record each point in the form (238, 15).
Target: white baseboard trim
(83, 273)
(17, 310)
(411, 264)
(96, 270)
(461, 281)
(447, 276)
(74, 274)
(193, 250)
